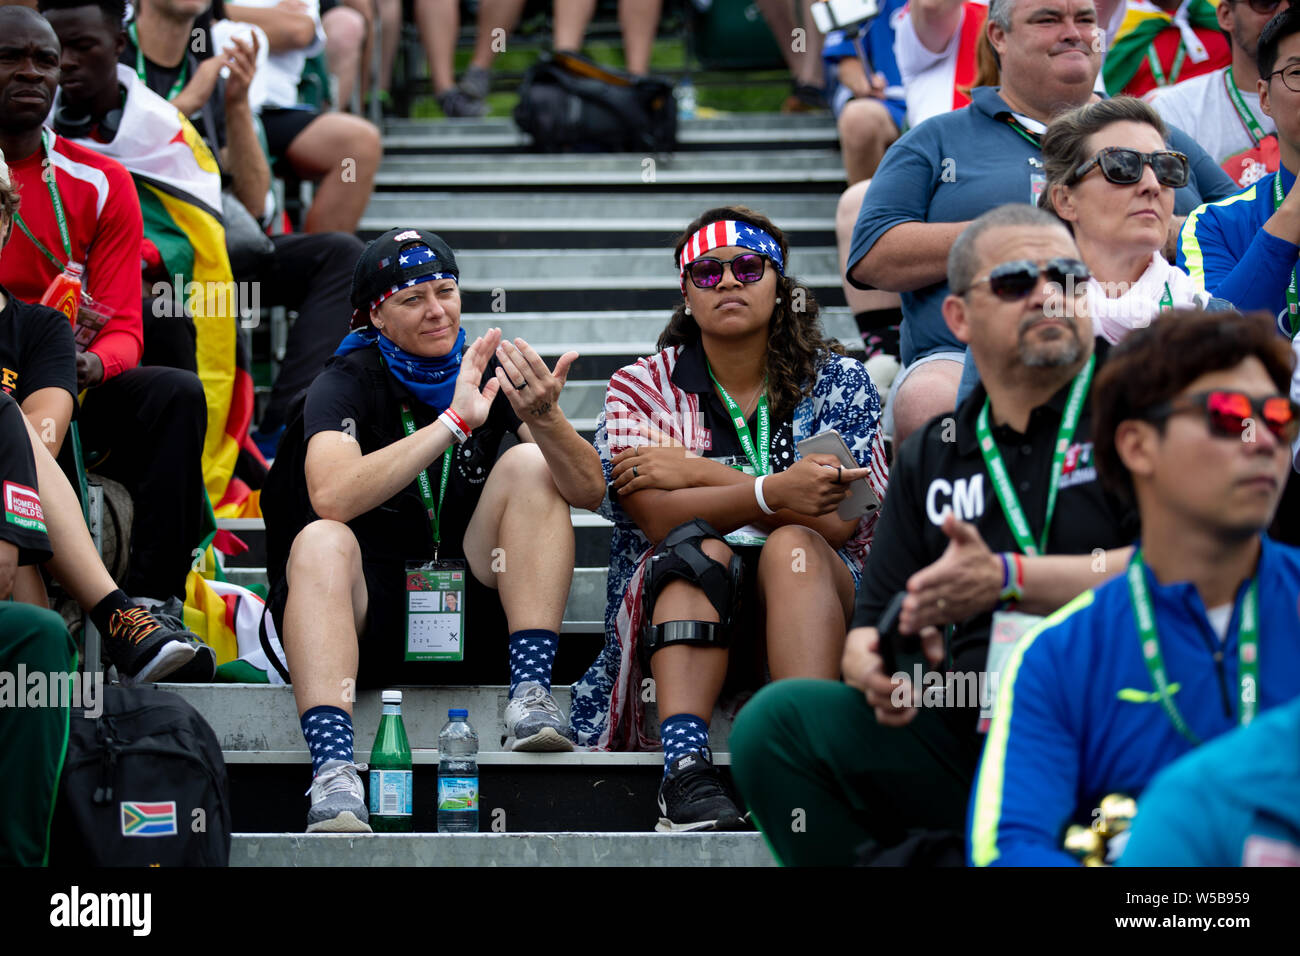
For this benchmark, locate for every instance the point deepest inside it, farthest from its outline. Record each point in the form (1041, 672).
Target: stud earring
(688, 310)
(778, 300)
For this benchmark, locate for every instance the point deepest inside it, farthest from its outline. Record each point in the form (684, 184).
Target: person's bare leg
(807, 592)
(813, 47)
(688, 679)
(520, 541)
(439, 23)
(571, 19)
(342, 153)
(804, 62)
(324, 614)
(639, 22)
(866, 129)
(345, 46)
(494, 15)
(390, 35)
(29, 588)
(929, 391)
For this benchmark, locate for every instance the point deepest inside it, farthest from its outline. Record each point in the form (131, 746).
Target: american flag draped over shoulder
(607, 710)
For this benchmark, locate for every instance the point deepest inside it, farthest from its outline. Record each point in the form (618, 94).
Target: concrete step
(500, 849)
(587, 171)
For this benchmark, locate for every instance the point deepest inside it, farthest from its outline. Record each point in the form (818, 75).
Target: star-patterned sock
(531, 655)
(328, 731)
(682, 733)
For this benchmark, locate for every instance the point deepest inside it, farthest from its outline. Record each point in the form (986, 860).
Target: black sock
(103, 611)
(879, 330)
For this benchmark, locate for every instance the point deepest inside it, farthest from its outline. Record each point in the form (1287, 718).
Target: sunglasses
(706, 272)
(1263, 7)
(1123, 166)
(1014, 280)
(1228, 413)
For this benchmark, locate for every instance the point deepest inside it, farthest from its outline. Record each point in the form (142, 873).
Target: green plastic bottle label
(458, 793)
(391, 793)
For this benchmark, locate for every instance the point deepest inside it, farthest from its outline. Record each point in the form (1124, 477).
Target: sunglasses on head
(1228, 412)
(706, 272)
(1015, 280)
(1123, 166)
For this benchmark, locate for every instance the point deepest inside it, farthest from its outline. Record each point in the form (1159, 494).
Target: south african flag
(148, 819)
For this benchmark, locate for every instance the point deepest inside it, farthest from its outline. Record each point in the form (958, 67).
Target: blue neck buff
(431, 380)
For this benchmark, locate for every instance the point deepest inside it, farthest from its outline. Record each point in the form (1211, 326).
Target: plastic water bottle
(64, 291)
(684, 92)
(391, 793)
(457, 775)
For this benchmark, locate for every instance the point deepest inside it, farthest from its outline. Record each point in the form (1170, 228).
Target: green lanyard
(1247, 651)
(1157, 72)
(426, 485)
(757, 457)
(140, 70)
(1292, 297)
(1253, 129)
(1166, 300)
(1011, 507)
(59, 216)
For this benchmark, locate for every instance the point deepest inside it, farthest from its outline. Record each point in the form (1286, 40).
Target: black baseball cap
(380, 268)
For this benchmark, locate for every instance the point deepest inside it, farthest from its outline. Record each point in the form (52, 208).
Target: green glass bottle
(391, 793)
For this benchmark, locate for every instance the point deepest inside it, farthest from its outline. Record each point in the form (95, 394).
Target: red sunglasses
(1227, 413)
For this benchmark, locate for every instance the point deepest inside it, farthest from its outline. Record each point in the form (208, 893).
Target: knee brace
(679, 555)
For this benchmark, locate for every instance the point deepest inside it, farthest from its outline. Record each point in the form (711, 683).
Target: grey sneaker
(338, 800)
(456, 102)
(476, 83)
(202, 668)
(534, 721)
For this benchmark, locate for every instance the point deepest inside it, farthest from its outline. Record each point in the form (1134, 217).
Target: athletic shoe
(203, 667)
(804, 99)
(338, 801)
(476, 83)
(692, 797)
(456, 102)
(534, 721)
(143, 649)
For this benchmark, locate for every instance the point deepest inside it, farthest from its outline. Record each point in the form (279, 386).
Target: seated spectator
(360, 485)
(1244, 249)
(1161, 42)
(1220, 110)
(1233, 802)
(148, 421)
(310, 273)
(1199, 634)
(439, 22)
(937, 46)
(838, 750)
(951, 168)
(803, 60)
(869, 110)
(340, 153)
(723, 501)
(1111, 179)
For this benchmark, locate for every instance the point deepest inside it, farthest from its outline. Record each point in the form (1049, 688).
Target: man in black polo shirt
(876, 758)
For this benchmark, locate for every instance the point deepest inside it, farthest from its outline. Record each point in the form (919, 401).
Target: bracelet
(454, 424)
(1013, 578)
(758, 493)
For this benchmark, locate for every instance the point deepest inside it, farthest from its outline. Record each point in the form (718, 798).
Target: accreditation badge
(1037, 184)
(1008, 628)
(435, 610)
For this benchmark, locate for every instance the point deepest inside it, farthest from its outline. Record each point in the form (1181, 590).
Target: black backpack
(567, 102)
(143, 784)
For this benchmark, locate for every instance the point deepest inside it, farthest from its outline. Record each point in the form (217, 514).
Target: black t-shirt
(940, 468)
(24, 522)
(355, 394)
(36, 349)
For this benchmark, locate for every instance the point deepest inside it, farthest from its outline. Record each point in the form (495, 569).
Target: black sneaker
(143, 649)
(202, 668)
(692, 797)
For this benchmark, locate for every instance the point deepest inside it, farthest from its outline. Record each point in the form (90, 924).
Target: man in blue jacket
(1244, 248)
(1192, 420)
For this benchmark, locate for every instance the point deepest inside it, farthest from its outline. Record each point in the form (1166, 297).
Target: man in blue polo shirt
(1244, 248)
(947, 170)
(1202, 631)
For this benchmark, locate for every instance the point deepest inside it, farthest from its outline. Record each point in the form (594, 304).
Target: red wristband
(460, 422)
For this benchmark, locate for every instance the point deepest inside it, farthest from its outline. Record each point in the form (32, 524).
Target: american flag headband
(729, 232)
(412, 256)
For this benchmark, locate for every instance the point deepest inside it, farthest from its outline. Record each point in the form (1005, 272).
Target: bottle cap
(391, 697)
(457, 713)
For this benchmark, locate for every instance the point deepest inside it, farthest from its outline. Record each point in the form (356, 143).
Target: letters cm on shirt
(965, 496)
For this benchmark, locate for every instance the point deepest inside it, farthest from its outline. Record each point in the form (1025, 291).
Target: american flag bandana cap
(729, 232)
(407, 258)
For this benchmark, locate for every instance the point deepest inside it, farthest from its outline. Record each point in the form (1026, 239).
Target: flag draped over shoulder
(1142, 23)
(179, 185)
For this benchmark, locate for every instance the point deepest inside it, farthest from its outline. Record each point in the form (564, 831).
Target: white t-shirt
(1202, 108)
(284, 70)
(1113, 318)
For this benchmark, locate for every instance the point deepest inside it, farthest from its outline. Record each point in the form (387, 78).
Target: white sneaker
(534, 721)
(338, 800)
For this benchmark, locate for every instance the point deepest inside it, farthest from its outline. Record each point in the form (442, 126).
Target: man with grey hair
(947, 170)
(881, 756)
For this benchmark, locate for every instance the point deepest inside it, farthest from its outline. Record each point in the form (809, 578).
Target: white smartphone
(837, 14)
(862, 498)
